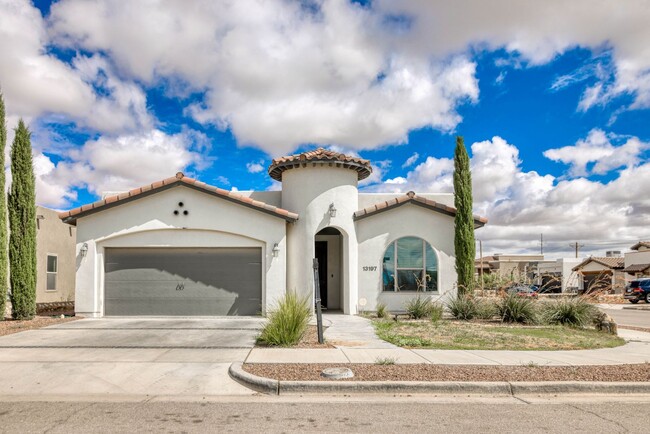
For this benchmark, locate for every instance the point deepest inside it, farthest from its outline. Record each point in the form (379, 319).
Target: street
(333, 414)
(637, 317)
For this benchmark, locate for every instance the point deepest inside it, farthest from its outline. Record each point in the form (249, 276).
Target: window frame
(422, 269)
(48, 273)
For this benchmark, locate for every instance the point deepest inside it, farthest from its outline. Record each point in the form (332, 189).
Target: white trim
(47, 273)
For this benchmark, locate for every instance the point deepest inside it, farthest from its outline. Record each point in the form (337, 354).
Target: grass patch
(463, 335)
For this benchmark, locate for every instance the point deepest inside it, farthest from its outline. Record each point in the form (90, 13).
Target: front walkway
(356, 342)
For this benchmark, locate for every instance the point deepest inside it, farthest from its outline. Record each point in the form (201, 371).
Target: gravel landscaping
(9, 326)
(420, 372)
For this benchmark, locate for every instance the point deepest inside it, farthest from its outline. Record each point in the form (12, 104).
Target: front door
(321, 255)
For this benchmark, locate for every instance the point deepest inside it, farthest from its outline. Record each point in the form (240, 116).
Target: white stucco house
(182, 247)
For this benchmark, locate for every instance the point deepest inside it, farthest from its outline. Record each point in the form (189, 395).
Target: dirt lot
(9, 326)
(417, 372)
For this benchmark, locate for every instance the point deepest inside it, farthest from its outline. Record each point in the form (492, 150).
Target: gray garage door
(162, 281)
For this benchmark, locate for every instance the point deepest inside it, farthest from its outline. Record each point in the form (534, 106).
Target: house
(55, 259)
(637, 262)
(512, 266)
(183, 247)
(601, 273)
(558, 276)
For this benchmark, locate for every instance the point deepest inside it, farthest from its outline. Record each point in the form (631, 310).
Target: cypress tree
(4, 284)
(22, 226)
(464, 220)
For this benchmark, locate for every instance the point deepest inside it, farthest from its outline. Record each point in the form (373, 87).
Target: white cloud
(255, 166)
(411, 160)
(223, 180)
(522, 204)
(107, 164)
(597, 148)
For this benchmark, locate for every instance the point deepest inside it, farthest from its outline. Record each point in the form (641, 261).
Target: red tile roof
(180, 179)
(640, 244)
(321, 157)
(637, 268)
(413, 198)
(614, 262)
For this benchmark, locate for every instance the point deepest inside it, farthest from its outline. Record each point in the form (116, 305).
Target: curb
(276, 387)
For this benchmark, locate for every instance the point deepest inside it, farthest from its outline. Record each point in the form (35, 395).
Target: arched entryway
(328, 250)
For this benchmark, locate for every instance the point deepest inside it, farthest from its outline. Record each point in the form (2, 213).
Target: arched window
(410, 264)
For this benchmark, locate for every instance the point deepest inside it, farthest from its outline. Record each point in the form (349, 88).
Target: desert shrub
(418, 307)
(462, 307)
(515, 308)
(287, 321)
(485, 309)
(385, 361)
(436, 312)
(575, 312)
(382, 310)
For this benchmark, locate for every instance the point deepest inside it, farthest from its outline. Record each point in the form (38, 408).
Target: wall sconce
(332, 210)
(84, 250)
(276, 250)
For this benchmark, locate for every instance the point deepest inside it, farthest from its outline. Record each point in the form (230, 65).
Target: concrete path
(350, 331)
(116, 357)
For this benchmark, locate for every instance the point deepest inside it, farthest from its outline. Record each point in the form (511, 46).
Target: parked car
(638, 290)
(524, 290)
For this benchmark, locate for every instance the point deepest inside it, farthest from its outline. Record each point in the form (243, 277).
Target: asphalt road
(380, 415)
(629, 317)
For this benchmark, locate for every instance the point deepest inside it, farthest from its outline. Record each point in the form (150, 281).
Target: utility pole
(576, 246)
(541, 244)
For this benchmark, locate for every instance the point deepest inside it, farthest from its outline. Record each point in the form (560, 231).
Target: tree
(3, 213)
(464, 220)
(22, 226)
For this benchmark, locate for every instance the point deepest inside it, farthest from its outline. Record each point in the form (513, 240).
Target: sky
(552, 99)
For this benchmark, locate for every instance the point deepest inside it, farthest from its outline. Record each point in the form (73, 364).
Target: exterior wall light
(276, 250)
(84, 250)
(332, 210)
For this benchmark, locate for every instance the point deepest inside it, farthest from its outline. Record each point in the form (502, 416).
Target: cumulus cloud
(522, 204)
(255, 166)
(598, 152)
(107, 164)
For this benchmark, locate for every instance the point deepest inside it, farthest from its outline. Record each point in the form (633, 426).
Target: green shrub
(485, 309)
(419, 307)
(463, 307)
(385, 361)
(515, 308)
(436, 312)
(382, 310)
(287, 322)
(574, 312)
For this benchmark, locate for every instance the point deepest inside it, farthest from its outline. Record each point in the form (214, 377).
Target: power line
(577, 247)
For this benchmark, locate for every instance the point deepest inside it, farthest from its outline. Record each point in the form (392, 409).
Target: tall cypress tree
(3, 213)
(464, 220)
(22, 226)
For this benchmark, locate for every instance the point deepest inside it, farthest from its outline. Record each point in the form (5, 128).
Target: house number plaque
(369, 268)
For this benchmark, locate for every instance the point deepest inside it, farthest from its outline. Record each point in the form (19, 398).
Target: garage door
(157, 281)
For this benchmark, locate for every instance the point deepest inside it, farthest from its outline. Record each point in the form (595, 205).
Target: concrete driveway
(127, 356)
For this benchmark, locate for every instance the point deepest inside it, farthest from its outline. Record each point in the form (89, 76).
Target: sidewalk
(356, 342)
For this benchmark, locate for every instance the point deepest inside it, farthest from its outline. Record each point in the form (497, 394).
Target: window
(410, 264)
(52, 269)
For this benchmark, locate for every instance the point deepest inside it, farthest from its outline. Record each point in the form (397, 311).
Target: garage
(183, 281)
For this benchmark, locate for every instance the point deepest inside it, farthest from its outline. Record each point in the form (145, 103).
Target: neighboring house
(182, 247)
(55, 258)
(558, 275)
(601, 274)
(637, 262)
(509, 266)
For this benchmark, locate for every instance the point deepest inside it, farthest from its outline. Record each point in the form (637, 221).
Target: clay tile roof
(614, 262)
(413, 198)
(321, 157)
(641, 244)
(636, 268)
(72, 215)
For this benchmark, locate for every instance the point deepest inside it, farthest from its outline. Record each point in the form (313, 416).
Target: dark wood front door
(321, 255)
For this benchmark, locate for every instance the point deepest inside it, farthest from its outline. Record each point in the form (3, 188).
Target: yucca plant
(287, 321)
(382, 310)
(463, 307)
(418, 307)
(485, 309)
(515, 308)
(575, 312)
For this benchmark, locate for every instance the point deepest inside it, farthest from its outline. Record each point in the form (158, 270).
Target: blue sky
(553, 101)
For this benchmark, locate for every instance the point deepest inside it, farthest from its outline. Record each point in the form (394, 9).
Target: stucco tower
(321, 186)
